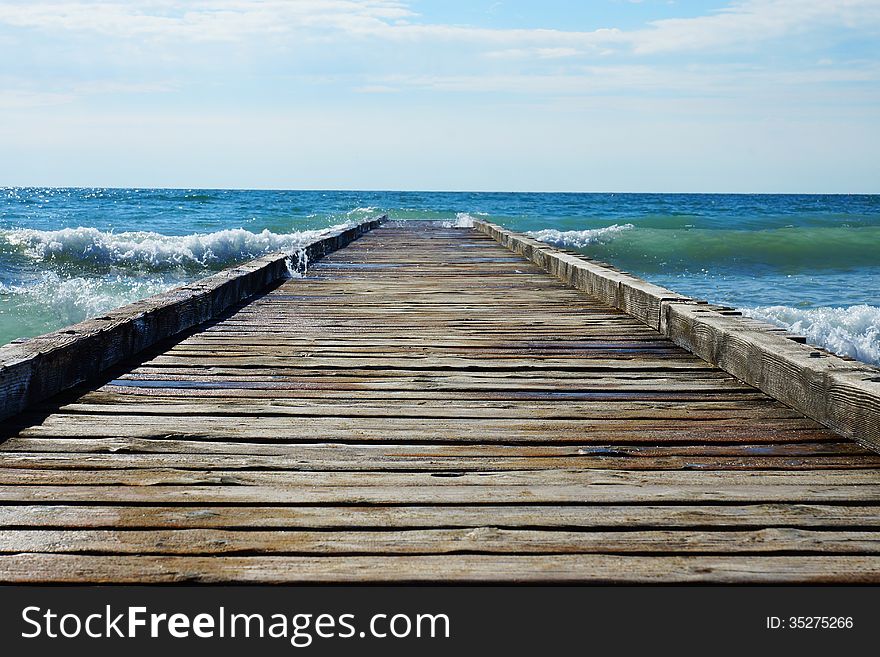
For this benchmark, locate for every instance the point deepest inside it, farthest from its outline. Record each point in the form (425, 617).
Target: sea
(810, 263)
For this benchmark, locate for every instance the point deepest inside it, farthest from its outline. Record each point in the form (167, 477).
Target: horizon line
(427, 191)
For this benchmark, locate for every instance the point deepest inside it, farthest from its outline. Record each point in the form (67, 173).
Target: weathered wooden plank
(424, 362)
(622, 410)
(607, 516)
(866, 480)
(423, 378)
(190, 492)
(60, 568)
(480, 540)
(316, 424)
(208, 340)
(583, 379)
(324, 389)
(437, 460)
(128, 445)
(400, 431)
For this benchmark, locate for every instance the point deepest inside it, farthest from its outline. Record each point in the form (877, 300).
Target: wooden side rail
(843, 395)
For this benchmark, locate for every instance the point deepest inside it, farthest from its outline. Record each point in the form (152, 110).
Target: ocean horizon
(807, 262)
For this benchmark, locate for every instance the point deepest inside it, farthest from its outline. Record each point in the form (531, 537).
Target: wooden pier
(426, 405)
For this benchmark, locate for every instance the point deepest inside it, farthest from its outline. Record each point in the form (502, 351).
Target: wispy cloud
(198, 78)
(202, 19)
(516, 61)
(748, 22)
(740, 23)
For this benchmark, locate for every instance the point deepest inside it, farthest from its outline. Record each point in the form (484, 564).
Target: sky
(509, 95)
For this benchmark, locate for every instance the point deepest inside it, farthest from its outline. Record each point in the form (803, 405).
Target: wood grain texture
(474, 540)
(377, 516)
(588, 569)
(426, 406)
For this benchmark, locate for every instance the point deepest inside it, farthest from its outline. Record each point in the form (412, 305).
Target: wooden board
(424, 393)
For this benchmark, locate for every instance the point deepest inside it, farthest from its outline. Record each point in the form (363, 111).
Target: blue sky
(603, 95)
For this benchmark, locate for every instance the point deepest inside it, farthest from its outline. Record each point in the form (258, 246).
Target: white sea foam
(68, 300)
(462, 220)
(579, 238)
(852, 331)
(152, 250)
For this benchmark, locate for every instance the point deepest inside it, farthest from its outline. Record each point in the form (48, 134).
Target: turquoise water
(809, 262)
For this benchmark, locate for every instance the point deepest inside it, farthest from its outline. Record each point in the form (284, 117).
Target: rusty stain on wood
(422, 393)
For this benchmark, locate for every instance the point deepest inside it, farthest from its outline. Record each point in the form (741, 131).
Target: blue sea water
(808, 262)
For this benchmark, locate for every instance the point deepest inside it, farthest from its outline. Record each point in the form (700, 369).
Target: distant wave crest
(789, 249)
(852, 331)
(579, 238)
(148, 250)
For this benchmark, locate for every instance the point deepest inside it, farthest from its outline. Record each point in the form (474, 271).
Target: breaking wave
(90, 248)
(51, 278)
(53, 300)
(793, 249)
(852, 331)
(578, 239)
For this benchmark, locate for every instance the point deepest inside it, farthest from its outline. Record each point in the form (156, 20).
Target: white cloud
(517, 61)
(274, 93)
(752, 21)
(203, 20)
(742, 22)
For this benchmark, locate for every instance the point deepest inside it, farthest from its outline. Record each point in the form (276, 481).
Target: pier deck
(426, 405)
